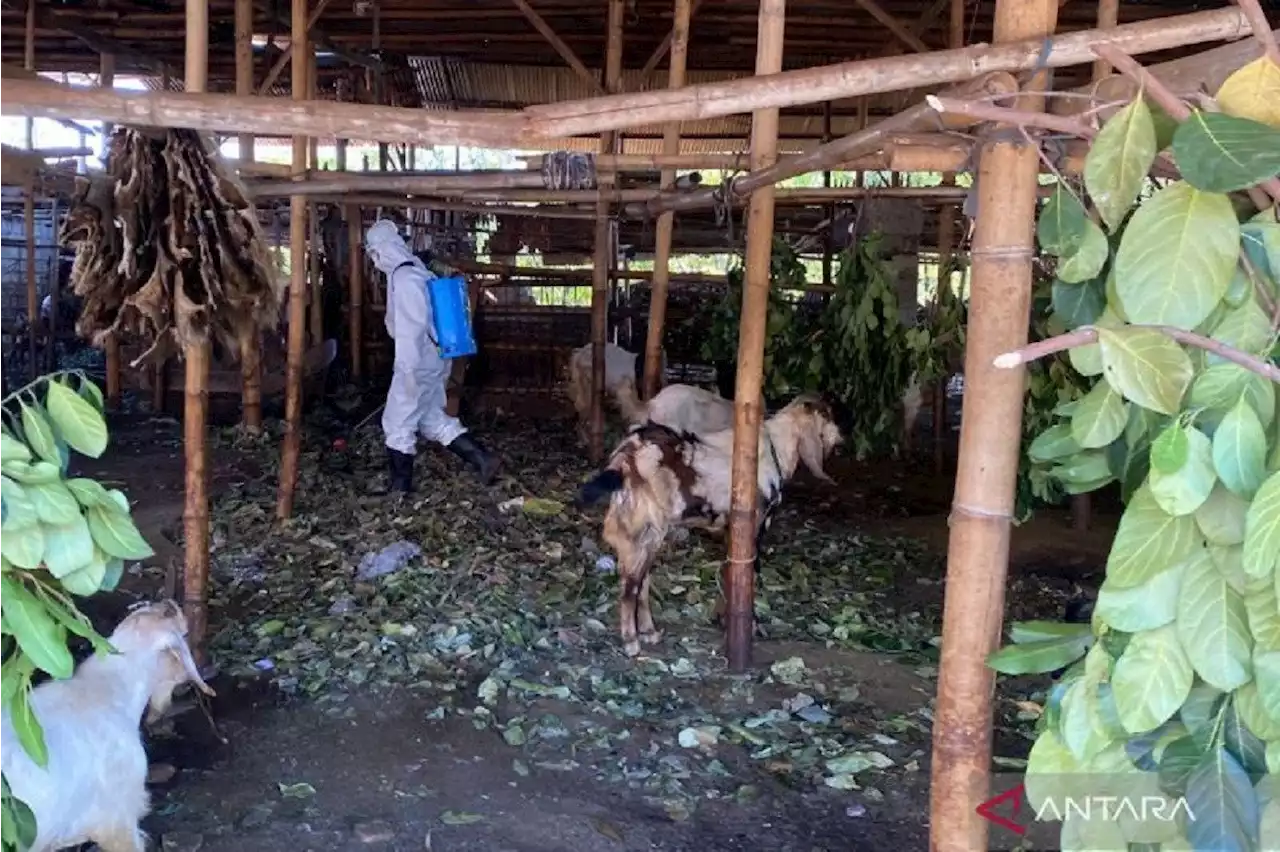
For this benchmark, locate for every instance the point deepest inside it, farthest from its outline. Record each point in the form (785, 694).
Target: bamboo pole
(195, 520)
(331, 183)
(605, 256)
(355, 284)
(267, 116)
(273, 73)
(739, 570)
(651, 64)
(1108, 18)
(251, 348)
(875, 76)
(982, 510)
(314, 280)
(29, 203)
(566, 53)
(297, 280)
(666, 221)
(893, 25)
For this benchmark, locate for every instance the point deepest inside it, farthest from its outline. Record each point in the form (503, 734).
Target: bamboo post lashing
(297, 278)
(107, 80)
(29, 204)
(744, 509)
(605, 256)
(196, 356)
(269, 116)
(978, 554)
(251, 347)
(682, 14)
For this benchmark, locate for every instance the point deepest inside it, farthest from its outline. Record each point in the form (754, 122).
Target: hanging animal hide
(168, 248)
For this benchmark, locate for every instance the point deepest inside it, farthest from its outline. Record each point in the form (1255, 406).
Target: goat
(621, 373)
(681, 408)
(658, 478)
(93, 787)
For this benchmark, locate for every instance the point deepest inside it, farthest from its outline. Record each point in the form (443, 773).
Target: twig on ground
(1089, 334)
(1261, 28)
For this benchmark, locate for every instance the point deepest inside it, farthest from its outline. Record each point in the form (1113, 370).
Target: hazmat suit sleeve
(410, 321)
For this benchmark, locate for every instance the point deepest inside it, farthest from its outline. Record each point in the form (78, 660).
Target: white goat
(657, 479)
(619, 380)
(683, 408)
(93, 788)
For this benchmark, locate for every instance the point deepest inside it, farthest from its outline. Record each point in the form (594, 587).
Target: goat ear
(178, 646)
(811, 452)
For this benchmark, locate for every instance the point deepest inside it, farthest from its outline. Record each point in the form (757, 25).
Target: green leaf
(1253, 91)
(1226, 811)
(1082, 729)
(1086, 471)
(1212, 625)
(27, 727)
(1151, 679)
(1246, 328)
(11, 449)
(1169, 451)
(114, 532)
(1222, 153)
(1038, 657)
(1243, 744)
(89, 493)
(1146, 367)
(1179, 760)
(115, 570)
(1260, 239)
(1062, 224)
(75, 622)
(1088, 258)
(87, 580)
(40, 435)
(1230, 561)
(1052, 444)
(1050, 770)
(1021, 632)
(1221, 517)
(1078, 304)
(1100, 417)
(1221, 386)
(1166, 125)
(53, 503)
(1149, 541)
(1118, 161)
(23, 547)
(1248, 701)
(90, 391)
(1266, 668)
(20, 512)
(38, 473)
(1183, 492)
(1144, 607)
(1199, 714)
(35, 632)
(1263, 608)
(67, 547)
(1262, 530)
(80, 424)
(1240, 450)
(1177, 256)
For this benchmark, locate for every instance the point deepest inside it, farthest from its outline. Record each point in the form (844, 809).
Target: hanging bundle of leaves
(1173, 692)
(168, 247)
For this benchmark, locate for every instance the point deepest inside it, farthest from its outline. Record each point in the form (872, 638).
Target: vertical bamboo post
(355, 288)
(29, 204)
(195, 518)
(160, 369)
(314, 287)
(740, 570)
(604, 253)
(667, 220)
(107, 80)
(982, 508)
(948, 216)
(55, 287)
(297, 275)
(831, 208)
(251, 347)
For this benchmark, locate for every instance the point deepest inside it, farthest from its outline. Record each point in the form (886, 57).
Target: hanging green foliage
(1173, 692)
(59, 538)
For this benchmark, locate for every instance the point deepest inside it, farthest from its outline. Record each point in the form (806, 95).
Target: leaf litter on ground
(502, 617)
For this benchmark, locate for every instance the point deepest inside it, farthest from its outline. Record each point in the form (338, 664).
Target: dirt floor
(477, 700)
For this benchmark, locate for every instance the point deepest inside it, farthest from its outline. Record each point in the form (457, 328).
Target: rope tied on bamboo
(978, 513)
(569, 170)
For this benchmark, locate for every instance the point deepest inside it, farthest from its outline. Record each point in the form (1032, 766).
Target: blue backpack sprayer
(451, 315)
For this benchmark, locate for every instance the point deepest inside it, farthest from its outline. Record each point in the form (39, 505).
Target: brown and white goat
(93, 787)
(658, 479)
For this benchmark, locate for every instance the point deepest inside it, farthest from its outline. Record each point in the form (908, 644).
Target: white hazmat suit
(417, 398)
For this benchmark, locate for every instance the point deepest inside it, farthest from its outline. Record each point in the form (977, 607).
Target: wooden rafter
(893, 25)
(651, 64)
(282, 60)
(566, 53)
(320, 37)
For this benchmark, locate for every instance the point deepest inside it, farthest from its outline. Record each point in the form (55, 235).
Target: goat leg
(649, 634)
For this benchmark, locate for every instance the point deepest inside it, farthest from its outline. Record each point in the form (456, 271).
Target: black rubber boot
(483, 462)
(401, 469)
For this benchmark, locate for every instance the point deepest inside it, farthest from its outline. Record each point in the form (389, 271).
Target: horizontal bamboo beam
(542, 211)
(584, 275)
(332, 183)
(262, 116)
(875, 76)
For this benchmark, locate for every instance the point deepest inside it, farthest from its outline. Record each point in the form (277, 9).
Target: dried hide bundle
(168, 247)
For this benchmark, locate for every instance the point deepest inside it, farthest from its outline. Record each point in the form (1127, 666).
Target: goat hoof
(652, 637)
(631, 648)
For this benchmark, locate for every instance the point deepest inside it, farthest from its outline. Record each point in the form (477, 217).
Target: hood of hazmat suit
(417, 397)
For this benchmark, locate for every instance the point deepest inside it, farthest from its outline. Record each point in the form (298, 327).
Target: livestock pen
(985, 212)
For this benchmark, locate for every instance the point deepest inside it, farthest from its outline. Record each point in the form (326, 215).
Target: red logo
(987, 810)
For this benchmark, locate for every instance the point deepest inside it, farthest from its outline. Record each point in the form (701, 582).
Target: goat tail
(599, 487)
(634, 411)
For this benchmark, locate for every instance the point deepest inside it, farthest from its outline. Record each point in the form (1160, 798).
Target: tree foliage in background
(59, 538)
(852, 345)
(1173, 692)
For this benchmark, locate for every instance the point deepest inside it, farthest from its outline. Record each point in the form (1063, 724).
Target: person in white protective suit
(416, 400)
